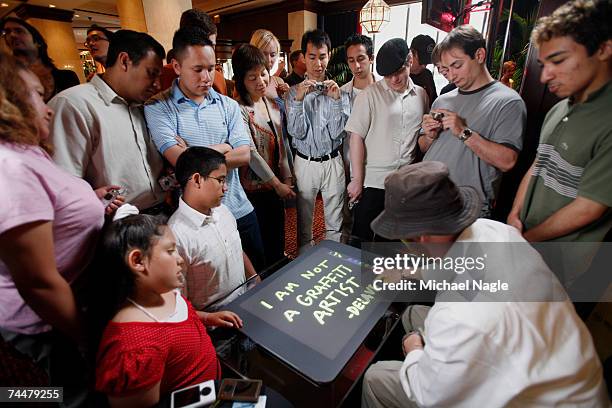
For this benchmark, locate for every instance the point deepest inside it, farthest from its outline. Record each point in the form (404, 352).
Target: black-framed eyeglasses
(94, 38)
(221, 180)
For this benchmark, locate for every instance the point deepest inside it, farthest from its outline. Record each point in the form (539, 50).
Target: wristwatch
(465, 134)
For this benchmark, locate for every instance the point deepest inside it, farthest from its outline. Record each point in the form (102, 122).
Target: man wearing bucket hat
(383, 125)
(474, 354)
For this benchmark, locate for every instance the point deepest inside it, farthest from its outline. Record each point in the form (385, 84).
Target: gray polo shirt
(496, 113)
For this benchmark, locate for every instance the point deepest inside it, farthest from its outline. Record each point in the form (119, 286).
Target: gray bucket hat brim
(390, 226)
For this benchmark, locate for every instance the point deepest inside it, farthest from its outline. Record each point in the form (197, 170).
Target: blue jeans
(252, 244)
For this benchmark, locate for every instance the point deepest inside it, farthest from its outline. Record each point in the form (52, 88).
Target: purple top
(36, 189)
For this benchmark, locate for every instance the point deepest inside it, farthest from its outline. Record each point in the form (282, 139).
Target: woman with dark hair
(49, 225)
(29, 46)
(264, 118)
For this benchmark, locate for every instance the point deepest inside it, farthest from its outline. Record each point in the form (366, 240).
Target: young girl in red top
(156, 342)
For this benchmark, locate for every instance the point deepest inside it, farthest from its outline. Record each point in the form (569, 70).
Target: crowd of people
(162, 188)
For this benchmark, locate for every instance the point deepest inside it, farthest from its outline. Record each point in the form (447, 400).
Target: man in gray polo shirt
(480, 131)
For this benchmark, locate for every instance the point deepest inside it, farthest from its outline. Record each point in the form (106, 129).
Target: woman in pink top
(48, 229)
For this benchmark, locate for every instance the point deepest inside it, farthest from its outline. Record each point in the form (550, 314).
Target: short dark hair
(135, 44)
(198, 18)
(294, 56)
(358, 39)
(197, 159)
(108, 33)
(245, 58)
(43, 53)
(188, 36)
(317, 38)
(464, 37)
(170, 55)
(586, 22)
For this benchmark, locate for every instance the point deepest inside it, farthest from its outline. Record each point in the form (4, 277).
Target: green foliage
(338, 69)
(520, 32)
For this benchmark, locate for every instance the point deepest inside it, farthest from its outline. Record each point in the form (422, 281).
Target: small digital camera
(437, 116)
(320, 86)
(111, 195)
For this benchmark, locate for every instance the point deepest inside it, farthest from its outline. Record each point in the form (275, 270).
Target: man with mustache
(476, 130)
(99, 131)
(566, 195)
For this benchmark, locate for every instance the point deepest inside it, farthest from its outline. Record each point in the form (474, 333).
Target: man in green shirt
(567, 193)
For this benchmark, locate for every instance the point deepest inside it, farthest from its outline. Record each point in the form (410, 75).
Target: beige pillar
(158, 18)
(163, 18)
(298, 23)
(131, 15)
(60, 39)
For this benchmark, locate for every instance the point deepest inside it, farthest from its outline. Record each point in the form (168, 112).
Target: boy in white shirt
(206, 233)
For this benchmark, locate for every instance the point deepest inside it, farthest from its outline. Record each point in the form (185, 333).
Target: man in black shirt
(298, 68)
(422, 47)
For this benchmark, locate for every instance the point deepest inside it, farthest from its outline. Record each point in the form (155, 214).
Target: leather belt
(318, 159)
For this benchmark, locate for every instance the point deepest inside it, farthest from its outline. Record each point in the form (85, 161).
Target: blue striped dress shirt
(216, 120)
(316, 123)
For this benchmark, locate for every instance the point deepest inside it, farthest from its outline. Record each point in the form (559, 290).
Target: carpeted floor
(318, 227)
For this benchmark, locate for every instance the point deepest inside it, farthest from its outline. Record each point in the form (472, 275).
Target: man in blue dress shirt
(317, 111)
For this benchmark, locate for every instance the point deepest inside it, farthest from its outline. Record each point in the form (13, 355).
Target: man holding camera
(383, 123)
(478, 129)
(317, 111)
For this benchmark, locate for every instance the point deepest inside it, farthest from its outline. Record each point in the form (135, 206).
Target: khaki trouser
(381, 383)
(328, 178)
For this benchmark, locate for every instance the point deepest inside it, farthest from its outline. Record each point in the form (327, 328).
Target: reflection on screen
(318, 300)
(186, 397)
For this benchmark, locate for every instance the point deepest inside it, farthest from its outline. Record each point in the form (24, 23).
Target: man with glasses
(97, 42)
(206, 232)
(435, 59)
(29, 46)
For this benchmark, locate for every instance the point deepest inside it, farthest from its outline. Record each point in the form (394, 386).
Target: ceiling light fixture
(4, 5)
(374, 15)
(77, 16)
(52, 5)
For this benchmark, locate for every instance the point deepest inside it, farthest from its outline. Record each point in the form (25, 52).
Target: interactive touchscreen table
(313, 316)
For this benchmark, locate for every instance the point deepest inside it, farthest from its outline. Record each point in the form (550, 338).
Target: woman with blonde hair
(270, 46)
(49, 225)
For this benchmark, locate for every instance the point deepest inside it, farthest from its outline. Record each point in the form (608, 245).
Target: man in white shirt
(99, 131)
(206, 232)
(382, 127)
(474, 353)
